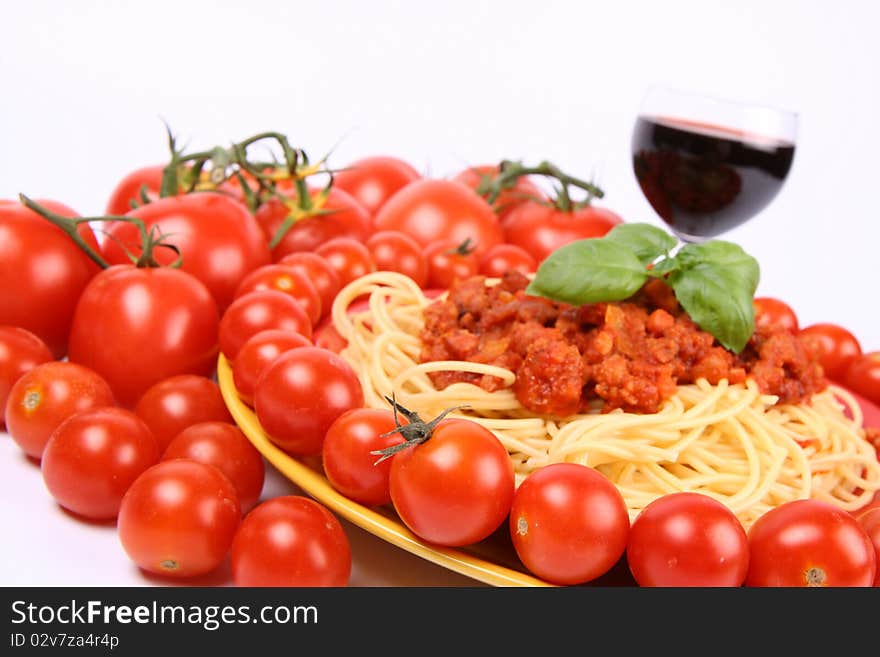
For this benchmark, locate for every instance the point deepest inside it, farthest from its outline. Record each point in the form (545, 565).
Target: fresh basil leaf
(646, 241)
(723, 255)
(589, 271)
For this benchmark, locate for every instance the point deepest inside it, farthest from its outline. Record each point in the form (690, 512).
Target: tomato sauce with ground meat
(630, 355)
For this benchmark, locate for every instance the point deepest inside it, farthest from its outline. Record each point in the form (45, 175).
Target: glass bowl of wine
(705, 164)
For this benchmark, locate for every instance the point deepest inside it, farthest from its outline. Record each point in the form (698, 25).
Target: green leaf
(589, 271)
(723, 255)
(646, 241)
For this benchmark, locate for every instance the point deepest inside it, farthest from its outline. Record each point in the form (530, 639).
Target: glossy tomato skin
(223, 445)
(320, 272)
(288, 280)
(258, 311)
(136, 326)
(456, 488)
(448, 262)
(524, 189)
(568, 523)
(349, 258)
(300, 394)
(256, 353)
(773, 311)
(393, 250)
(219, 240)
(128, 189)
(178, 518)
(687, 539)
(290, 541)
(836, 346)
(20, 352)
(171, 405)
(373, 180)
(45, 396)
(809, 543)
(432, 209)
(862, 376)
(869, 519)
(93, 457)
(503, 258)
(541, 229)
(42, 272)
(349, 465)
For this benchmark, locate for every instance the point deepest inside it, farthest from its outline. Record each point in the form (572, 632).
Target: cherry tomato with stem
(130, 190)
(257, 311)
(373, 180)
(256, 353)
(393, 250)
(836, 346)
(448, 262)
(518, 191)
(20, 352)
(503, 258)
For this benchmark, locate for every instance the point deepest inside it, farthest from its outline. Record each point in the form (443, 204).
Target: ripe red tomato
(322, 275)
(328, 337)
(171, 405)
(340, 215)
(20, 352)
(869, 518)
(430, 209)
(687, 539)
(503, 258)
(455, 488)
(772, 311)
(541, 229)
(300, 394)
(290, 541)
(258, 311)
(349, 258)
(219, 240)
(862, 376)
(128, 189)
(568, 523)
(178, 518)
(42, 272)
(136, 326)
(393, 250)
(224, 445)
(288, 280)
(836, 347)
(373, 180)
(93, 457)
(46, 396)
(448, 262)
(348, 464)
(478, 177)
(809, 543)
(256, 353)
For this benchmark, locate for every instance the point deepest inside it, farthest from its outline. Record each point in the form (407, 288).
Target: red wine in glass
(706, 166)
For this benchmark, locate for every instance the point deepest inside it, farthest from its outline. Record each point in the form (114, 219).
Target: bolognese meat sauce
(630, 355)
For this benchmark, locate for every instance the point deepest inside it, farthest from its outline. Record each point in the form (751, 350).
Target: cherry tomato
(869, 518)
(349, 258)
(288, 280)
(862, 376)
(772, 311)
(256, 353)
(322, 275)
(328, 337)
(393, 250)
(136, 326)
(129, 189)
(836, 347)
(218, 239)
(290, 541)
(480, 176)
(224, 445)
(348, 463)
(42, 272)
(568, 523)
(455, 488)
(540, 229)
(258, 311)
(503, 258)
(373, 180)
(339, 215)
(300, 394)
(93, 457)
(430, 209)
(20, 352)
(45, 396)
(809, 543)
(687, 539)
(178, 518)
(171, 405)
(448, 262)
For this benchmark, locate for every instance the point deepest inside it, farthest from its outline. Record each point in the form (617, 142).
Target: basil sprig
(714, 282)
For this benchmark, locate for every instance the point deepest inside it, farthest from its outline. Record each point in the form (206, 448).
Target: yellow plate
(482, 562)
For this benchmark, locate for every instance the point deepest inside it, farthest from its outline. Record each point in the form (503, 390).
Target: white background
(86, 86)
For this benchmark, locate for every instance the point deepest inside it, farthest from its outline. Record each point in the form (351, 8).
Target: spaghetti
(728, 441)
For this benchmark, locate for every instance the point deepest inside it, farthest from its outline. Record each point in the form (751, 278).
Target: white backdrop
(86, 85)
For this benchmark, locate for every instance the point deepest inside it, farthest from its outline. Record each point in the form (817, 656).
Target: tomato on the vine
(772, 311)
(523, 189)
(256, 353)
(687, 539)
(836, 346)
(394, 250)
(568, 523)
(449, 261)
(132, 187)
(20, 352)
(373, 180)
(257, 311)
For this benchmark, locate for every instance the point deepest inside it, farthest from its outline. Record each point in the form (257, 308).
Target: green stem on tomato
(509, 171)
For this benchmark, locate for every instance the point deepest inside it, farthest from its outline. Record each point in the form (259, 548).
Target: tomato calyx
(510, 170)
(464, 249)
(416, 432)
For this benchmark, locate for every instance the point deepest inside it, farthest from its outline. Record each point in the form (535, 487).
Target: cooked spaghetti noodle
(730, 442)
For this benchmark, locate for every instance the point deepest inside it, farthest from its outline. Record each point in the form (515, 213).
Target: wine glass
(706, 165)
